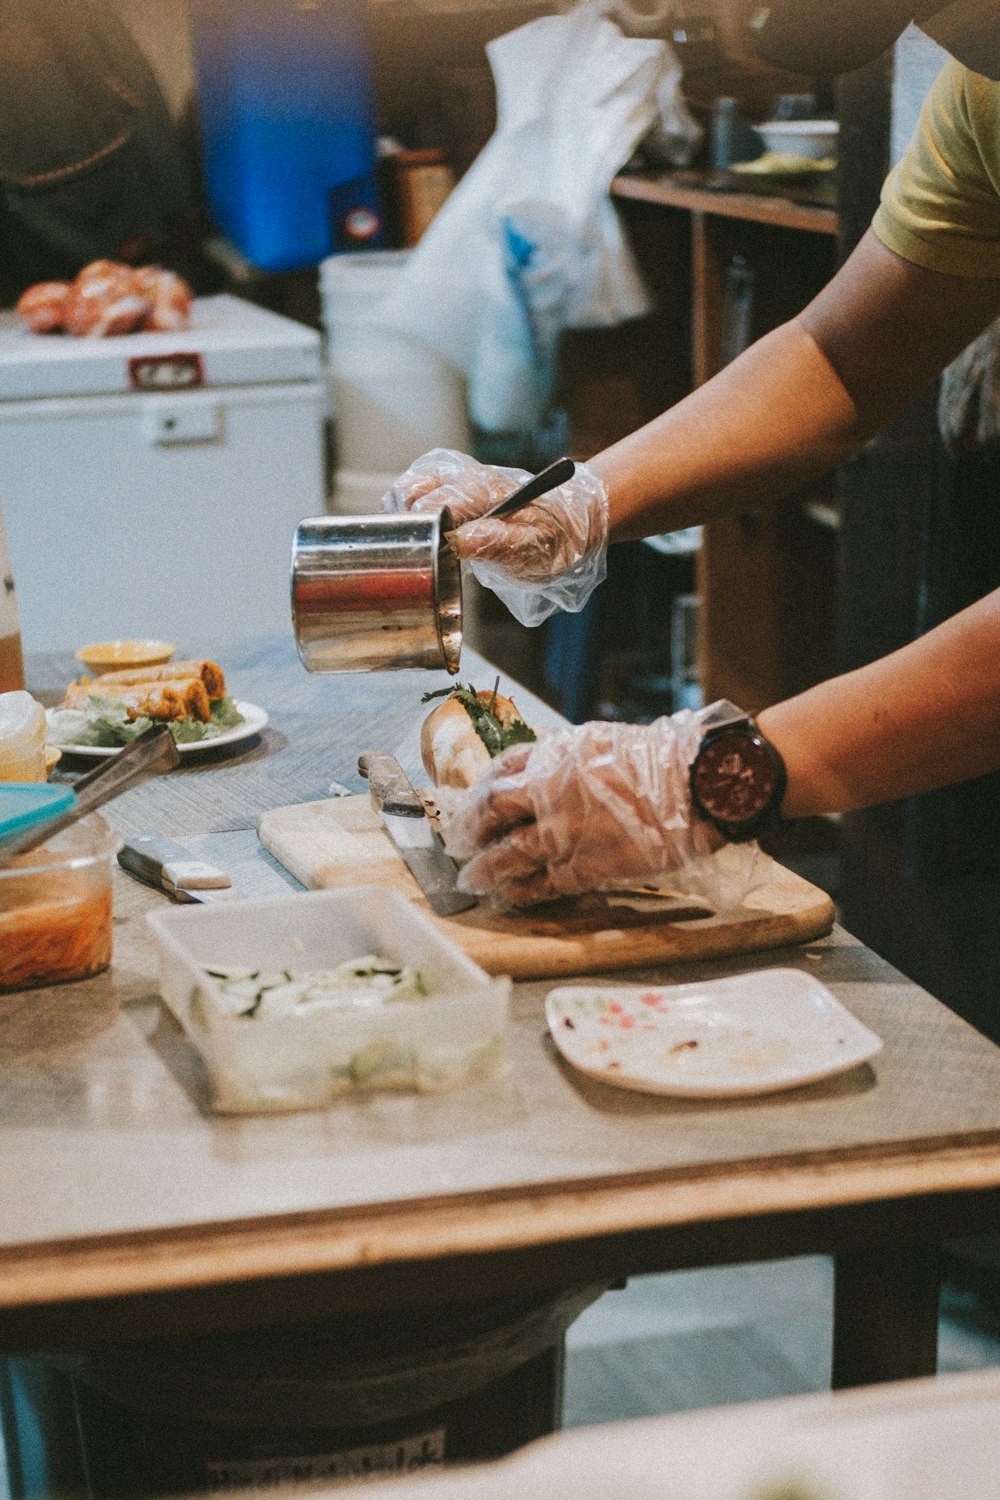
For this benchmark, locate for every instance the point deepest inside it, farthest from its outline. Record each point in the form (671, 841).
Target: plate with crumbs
(746, 1034)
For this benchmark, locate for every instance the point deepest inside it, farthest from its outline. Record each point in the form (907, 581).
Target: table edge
(201, 1256)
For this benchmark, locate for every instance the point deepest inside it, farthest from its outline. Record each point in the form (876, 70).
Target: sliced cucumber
(359, 984)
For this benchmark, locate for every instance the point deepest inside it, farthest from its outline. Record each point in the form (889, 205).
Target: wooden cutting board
(341, 842)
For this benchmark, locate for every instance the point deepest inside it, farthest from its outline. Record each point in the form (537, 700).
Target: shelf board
(695, 191)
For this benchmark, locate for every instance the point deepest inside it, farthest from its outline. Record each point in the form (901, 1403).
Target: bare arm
(787, 410)
(923, 717)
(799, 400)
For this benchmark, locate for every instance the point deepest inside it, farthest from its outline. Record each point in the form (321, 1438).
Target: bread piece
(452, 750)
(103, 301)
(210, 673)
(168, 296)
(42, 306)
(181, 698)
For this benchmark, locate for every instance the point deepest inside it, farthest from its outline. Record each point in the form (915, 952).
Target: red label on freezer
(165, 372)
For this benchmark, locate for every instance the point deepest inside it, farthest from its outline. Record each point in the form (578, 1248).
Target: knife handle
(560, 472)
(161, 862)
(391, 788)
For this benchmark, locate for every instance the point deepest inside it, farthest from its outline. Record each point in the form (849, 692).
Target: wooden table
(127, 1209)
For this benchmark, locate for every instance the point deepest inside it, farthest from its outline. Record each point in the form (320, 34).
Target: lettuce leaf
(105, 723)
(495, 736)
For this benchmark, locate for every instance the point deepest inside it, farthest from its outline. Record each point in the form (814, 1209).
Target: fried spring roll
(182, 698)
(210, 673)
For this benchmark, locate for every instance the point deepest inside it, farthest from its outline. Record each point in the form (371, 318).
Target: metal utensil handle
(391, 788)
(150, 753)
(549, 479)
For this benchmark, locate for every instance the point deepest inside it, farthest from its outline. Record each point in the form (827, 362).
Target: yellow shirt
(940, 205)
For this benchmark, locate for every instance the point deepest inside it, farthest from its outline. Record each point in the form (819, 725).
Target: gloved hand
(550, 555)
(594, 807)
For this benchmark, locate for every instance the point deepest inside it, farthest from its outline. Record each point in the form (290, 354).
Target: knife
(162, 862)
(415, 837)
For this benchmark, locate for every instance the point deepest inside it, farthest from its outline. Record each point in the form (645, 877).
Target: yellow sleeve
(940, 204)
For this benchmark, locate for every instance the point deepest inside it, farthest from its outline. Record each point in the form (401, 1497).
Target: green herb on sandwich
(495, 735)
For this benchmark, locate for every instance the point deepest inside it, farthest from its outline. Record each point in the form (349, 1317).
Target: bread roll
(179, 698)
(453, 751)
(169, 298)
(103, 301)
(42, 306)
(210, 673)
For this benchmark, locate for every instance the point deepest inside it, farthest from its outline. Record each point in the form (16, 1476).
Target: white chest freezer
(151, 484)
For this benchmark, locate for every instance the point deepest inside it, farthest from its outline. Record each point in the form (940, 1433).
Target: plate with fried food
(99, 715)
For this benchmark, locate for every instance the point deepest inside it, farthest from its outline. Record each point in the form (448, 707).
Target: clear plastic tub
(55, 908)
(305, 1059)
(22, 738)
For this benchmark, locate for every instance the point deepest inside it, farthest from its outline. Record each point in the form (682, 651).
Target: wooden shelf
(767, 579)
(713, 193)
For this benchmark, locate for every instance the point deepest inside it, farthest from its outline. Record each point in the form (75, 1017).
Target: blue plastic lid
(24, 803)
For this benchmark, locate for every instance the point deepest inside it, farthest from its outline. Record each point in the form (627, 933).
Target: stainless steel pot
(376, 593)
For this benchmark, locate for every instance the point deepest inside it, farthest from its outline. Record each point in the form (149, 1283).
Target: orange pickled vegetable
(55, 940)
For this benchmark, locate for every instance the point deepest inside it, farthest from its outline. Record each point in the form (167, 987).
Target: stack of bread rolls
(108, 298)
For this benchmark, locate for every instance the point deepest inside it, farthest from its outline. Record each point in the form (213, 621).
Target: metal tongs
(150, 754)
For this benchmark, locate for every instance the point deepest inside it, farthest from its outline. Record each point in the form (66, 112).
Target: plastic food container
(305, 1059)
(55, 908)
(22, 737)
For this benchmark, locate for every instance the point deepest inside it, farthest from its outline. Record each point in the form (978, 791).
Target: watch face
(734, 777)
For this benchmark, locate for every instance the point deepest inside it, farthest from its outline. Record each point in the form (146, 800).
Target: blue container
(288, 127)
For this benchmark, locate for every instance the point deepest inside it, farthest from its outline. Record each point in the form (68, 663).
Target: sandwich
(461, 736)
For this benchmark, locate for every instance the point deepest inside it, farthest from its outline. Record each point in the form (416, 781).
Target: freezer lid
(227, 342)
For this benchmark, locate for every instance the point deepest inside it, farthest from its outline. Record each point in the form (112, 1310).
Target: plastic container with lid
(55, 907)
(22, 737)
(304, 1059)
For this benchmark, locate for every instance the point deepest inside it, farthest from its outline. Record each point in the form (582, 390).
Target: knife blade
(168, 865)
(417, 841)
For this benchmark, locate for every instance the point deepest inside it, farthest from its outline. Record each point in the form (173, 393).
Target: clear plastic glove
(594, 807)
(550, 555)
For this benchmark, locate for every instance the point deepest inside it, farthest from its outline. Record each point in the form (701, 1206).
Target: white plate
(749, 1034)
(254, 719)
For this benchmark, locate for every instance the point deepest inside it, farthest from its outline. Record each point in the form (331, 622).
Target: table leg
(885, 1314)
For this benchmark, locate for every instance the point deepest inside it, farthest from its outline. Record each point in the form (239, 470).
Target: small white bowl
(118, 656)
(816, 139)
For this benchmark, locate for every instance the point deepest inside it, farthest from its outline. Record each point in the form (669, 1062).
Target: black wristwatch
(737, 778)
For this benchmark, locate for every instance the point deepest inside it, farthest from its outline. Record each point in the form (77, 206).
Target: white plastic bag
(676, 135)
(574, 97)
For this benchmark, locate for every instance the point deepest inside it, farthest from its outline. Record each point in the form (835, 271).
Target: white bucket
(393, 398)
(359, 494)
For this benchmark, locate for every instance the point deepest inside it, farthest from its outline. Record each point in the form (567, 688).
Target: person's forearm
(774, 419)
(924, 717)
(799, 400)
